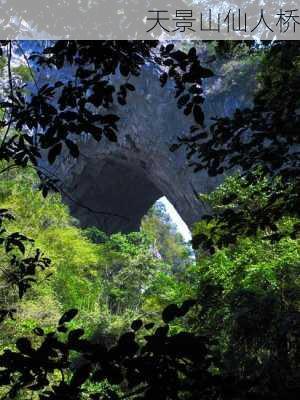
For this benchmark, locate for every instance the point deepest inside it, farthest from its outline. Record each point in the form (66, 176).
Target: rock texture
(113, 185)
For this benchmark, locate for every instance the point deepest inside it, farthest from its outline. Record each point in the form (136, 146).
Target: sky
(176, 219)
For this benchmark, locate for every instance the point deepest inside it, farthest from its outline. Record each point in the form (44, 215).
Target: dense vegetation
(110, 280)
(230, 313)
(246, 293)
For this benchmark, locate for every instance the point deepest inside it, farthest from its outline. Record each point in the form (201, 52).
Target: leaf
(24, 346)
(58, 84)
(149, 326)
(169, 48)
(68, 316)
(20, 246)
(137, 324)
(206, 73)
(121, 100)
(163, 79)
(124, 69)
(188, 109)
(110, 119)
(74, 150)
(110, 134)
(97, 134)
(130, 87)
(54, 152)
(75, 334)
(62, 328)
(81, 375)
(182, 101)
(170, 313)
(198, 114)
(179, 56)
(162, 331)
(38, 331)
(186, 306)
(192, 53)
(198, 99)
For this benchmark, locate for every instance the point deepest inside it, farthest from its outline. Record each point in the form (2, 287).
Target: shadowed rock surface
(112, 185)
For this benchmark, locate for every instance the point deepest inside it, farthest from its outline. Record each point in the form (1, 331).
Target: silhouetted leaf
(74, 151)
(38, 331)
(68, 316)
(110, 134)
(170, 313)
(81, 375)
(163, 79)
(198, 114)
(54, 152)
(24, 346)
(137, 324)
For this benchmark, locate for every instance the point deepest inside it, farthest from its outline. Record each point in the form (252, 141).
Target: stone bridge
(112, 186)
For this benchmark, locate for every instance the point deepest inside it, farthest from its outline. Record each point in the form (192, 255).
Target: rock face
(113, 185)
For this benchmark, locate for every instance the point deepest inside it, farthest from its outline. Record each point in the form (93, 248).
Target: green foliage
(23, 72)
(3, 63)
(241, 341)
(248, 295)
(110, 280)
(279, 77)
(249, 292)
(241, 208)
(168, 243)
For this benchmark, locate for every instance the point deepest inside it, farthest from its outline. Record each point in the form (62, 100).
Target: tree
(33, 123)
(185, 365)
(166, 240)
(249, 296)
(265, 136)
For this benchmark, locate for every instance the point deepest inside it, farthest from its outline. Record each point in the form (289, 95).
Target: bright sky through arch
(176, 219)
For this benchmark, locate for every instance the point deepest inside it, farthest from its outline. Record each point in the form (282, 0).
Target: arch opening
(175, 218)
(113, 194)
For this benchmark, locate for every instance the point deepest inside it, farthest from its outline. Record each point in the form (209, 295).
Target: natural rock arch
(112, 185)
